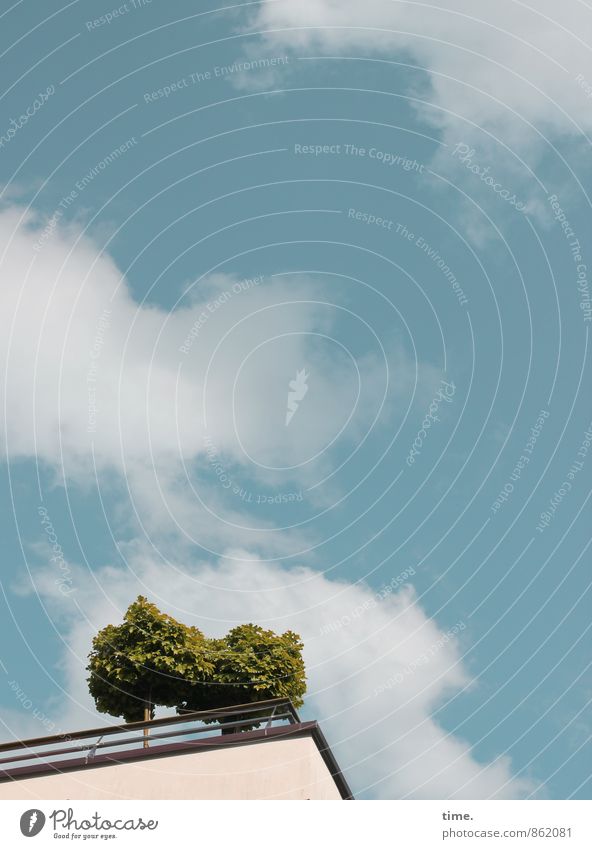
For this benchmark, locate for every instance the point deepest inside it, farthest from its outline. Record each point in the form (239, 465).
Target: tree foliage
(250, 665)
(144, 662)
(151, 659)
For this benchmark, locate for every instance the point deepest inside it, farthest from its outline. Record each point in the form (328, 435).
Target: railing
(190, 726)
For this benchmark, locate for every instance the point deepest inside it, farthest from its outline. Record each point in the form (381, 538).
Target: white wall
(290, 768)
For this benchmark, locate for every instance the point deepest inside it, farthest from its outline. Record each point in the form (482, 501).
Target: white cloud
(97, 382)
(76, 336)
(509, 80)
(493, 63)
(163, 381)
(357, 649)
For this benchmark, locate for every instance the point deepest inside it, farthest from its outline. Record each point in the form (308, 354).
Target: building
(203, 755)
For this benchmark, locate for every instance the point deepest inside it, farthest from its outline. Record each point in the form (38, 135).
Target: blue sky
(389, 200)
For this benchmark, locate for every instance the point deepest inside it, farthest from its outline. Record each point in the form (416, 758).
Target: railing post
(146, 729)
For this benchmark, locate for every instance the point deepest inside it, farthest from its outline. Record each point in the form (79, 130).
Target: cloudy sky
(295, 303)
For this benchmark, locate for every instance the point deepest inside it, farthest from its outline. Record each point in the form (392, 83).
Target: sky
(295, 304)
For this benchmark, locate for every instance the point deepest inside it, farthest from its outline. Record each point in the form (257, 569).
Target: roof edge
(298, 729)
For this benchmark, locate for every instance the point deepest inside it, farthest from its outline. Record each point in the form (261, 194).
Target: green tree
(151, 659)
(145, 661)
(250, 665)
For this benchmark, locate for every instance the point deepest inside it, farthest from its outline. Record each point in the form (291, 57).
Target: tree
(145, 661)
(250, 665)
(151, 659)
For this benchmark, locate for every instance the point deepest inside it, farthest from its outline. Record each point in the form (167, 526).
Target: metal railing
(187, 727)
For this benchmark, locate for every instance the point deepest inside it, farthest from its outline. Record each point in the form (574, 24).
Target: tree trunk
(147, 718)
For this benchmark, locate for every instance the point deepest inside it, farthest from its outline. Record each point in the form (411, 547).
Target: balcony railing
(188, 727)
